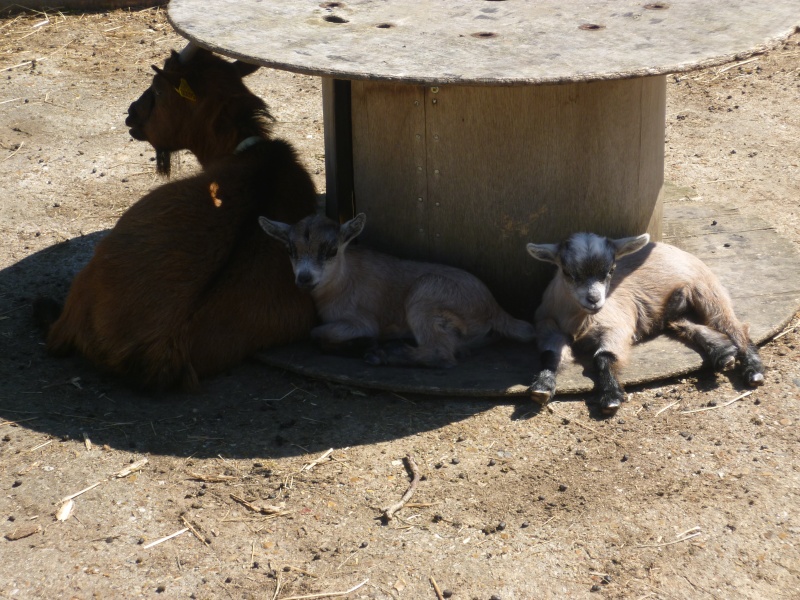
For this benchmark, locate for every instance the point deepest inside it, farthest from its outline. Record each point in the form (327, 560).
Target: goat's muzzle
(138, 112)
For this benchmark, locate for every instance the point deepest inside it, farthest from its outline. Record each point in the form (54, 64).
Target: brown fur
(186, 284)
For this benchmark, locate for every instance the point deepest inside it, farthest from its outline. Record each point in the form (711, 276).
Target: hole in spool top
(484, 34)
(334, 19)
(331, 5)
(591, 27)
(657, 6)
(384, 25)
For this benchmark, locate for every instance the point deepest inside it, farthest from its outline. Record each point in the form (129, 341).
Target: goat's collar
(247, 143)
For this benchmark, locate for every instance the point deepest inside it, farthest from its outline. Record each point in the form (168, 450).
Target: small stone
(439, 465)
(624, 458)
(455, 461)
(501, 526)
(492, 462)
(447, 593)
(596, 588)
(17, 483)
(364, 544)
(525, 524)
(160, 589)
(562, 488)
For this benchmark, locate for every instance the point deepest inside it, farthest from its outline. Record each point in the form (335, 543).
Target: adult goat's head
(199, 102)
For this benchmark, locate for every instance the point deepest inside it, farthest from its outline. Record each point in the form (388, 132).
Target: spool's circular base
(760, 269)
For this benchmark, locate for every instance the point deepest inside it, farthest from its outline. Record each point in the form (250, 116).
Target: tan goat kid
(430, 313)
(609, 293)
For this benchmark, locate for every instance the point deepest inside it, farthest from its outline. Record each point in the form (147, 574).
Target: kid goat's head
(199, 102)
(586, 264)
(315, 245)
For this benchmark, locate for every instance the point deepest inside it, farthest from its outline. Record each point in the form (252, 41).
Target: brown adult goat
(186, 284)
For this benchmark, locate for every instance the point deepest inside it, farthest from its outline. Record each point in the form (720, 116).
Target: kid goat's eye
(332, 252)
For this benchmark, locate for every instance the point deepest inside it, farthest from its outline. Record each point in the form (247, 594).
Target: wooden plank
(433, 42)
(762, 271)
(390, 177)
(468, 176)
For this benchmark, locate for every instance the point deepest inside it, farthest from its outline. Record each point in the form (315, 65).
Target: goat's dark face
(586, 264)
(192, 104)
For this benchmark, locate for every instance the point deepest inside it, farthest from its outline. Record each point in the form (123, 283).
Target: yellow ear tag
(184, 90)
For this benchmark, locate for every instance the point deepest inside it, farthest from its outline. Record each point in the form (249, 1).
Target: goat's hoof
(540, 396)
(724, 359)
(375, 358)
(609, 403)
(755, 379)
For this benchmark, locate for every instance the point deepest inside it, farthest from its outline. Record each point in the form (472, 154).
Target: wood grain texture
(486, 43)
(467, 176)
(760, 269)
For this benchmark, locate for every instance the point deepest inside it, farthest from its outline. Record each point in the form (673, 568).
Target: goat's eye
(568, 276)
(610, 272)
(332, 252)
(292, 251)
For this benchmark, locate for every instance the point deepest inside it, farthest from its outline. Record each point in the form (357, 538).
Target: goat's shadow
(251, 411)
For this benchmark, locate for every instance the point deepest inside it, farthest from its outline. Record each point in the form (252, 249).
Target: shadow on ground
(252, 411)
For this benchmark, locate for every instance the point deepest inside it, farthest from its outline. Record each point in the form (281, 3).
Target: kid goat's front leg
(552, 342)
(611, 392)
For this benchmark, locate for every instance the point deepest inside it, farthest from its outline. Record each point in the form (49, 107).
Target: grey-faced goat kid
(430, 313)
(608, 294)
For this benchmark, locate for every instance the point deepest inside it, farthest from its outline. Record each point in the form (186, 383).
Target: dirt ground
(657, 502)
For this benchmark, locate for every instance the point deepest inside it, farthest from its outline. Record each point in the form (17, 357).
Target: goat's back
(383, 287)
(186, 284)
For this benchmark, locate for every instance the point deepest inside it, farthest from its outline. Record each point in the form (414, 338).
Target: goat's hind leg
(719, 347)
(751, 366)
(438, 339)
(345, 338)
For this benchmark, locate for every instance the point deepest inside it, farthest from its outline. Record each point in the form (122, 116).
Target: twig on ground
(169, 537)
(210, 478)
(83, 491)
(436, 589)
(666, 407)
(678, 541)
(14, 152)
(42, 445)
(697, 410)
(131, 468)
(316, 461)
(389, 511)
(264, 510)
(326, 594)
(785, 332)
(194, 531)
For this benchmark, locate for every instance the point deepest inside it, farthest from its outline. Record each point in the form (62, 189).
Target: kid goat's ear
(543, 252)
(629, 245)
(352, 228)
(280, 231)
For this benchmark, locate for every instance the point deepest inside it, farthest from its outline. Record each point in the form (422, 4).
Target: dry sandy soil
(657, 502)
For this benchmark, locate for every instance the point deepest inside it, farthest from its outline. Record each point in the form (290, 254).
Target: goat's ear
(244, 69)
(543, 252)
(280, 231)
(352, 228)
(629, 245)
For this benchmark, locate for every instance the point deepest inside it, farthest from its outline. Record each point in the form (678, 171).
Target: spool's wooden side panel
(389, 166)
(469, 175)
